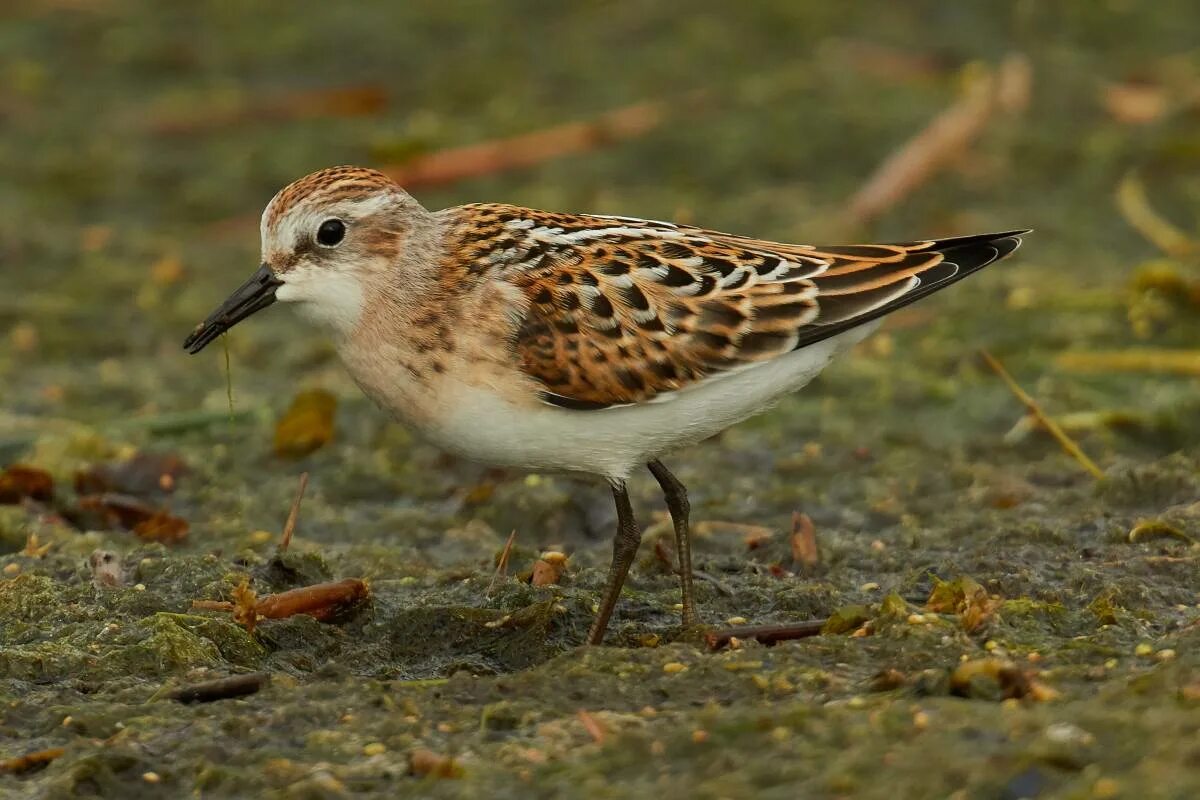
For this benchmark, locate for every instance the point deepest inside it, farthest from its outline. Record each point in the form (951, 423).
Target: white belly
(480, 425)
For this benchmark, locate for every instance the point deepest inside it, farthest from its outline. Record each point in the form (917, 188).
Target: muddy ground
(139, 142)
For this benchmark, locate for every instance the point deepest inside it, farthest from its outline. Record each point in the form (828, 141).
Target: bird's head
(327, 240)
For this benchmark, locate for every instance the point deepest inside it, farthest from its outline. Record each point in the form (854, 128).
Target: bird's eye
(331, 233)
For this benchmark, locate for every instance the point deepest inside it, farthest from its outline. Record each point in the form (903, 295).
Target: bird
(574, 343)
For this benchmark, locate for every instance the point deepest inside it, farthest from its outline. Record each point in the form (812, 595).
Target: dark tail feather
(964, 255)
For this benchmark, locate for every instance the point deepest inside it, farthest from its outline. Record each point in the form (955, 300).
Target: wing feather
(624, 311)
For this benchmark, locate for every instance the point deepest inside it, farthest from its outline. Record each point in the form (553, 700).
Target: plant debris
(1065, 441)
(221, 688)
(548, 569)
(307, 425)
(943, 140)
(19, 482)
(335, 101)
(1136, 208)
(112, 510)
(144, 474)
(765, 634)
(805, 554)
(502, 562)
(1157, 528)
(30, 761)
(592, 726)
(424, 763)
(997, 679)
(289, 527)
(966, 599)
(529, 149)
(1167, 362)
(322, 601)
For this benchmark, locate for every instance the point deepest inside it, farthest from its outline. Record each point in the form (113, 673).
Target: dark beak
(253, 295)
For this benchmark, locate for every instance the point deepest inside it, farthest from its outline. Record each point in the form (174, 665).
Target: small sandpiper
(580, 343)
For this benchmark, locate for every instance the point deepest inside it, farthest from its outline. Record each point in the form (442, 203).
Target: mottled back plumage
(623, 311)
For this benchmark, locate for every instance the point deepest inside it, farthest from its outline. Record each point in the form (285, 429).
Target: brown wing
(624, 311)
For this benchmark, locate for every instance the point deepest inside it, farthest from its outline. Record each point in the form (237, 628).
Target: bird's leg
(677, 503)
(625, 547)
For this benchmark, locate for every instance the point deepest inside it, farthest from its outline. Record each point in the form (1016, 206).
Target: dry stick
(338, 101)
(502, 562)
(943, 140)
(765, 634)
(1175, 362)
(221, 689)
(29, 761)
(805, 553)
(1050, 425)
(528, 149)
(1136, 208)
(289, 527)
(319, 601)
(592, 726)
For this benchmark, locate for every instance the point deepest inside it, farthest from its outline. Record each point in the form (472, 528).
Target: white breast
(478, 424)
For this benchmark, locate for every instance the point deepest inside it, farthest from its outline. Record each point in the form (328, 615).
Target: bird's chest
(425, 371)
(401, 379)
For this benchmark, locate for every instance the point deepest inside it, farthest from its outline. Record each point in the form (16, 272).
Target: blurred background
(140, 141)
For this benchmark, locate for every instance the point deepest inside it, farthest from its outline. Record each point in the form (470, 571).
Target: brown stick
(221, 689)
(30, 761)
(943, 140)
(805, 553)
(1065, 441)
(528, 149)
(592, 726)
(320, 600)
(1170, 362)
(502, 562)
(764, 634)
(335, 101)
(289, 527)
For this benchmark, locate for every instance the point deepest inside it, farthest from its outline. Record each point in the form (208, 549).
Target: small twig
(529, 149)
(221, 689)
(765, 634)
(321, 601)
(592, 726)
(1169, 362)
(289, 527)
(1136, 208)
(212, 605)
(1067, 443)
(29, 761)
(943, 139)
(806, 556)
(502, 563)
